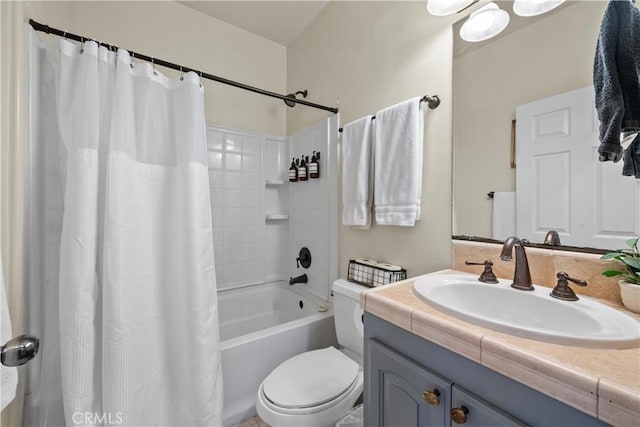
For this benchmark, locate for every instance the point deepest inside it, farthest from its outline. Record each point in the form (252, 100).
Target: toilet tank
(348, 315)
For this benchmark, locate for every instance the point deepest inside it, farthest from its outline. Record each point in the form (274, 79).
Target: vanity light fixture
(534, 7)
(484, 23)
(448, 7)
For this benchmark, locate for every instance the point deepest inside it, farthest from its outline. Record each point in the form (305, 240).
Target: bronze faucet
(521, 274)
(552, 238)
(303, 278)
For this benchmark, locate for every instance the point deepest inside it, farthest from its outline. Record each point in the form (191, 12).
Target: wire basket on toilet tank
(372, 273)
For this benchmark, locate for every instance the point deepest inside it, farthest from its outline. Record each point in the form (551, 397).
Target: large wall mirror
(533, 59)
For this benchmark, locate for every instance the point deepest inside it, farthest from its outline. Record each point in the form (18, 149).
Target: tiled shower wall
(276, 156)
(235, 174)
(313, 208)
(260, 220)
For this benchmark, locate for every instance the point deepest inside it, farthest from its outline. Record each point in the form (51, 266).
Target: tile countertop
(604, 383)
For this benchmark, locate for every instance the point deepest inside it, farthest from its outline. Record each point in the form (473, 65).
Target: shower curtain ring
(200, 73)
(153, 63)
(181, 73)
(133, 54)
(82, 45)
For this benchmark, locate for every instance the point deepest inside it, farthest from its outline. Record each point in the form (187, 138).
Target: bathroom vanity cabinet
(410, 381)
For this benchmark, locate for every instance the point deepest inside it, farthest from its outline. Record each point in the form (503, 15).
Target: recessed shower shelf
(273, 182)
(277, 217)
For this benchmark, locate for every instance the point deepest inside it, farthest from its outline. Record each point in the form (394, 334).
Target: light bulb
(484, 23)
(534, 7)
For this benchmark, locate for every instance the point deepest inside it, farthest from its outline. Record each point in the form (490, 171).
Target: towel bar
(432, 102)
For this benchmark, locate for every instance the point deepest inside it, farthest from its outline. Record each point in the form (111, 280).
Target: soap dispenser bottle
(314, 167)
(293, 171)
(303, 170)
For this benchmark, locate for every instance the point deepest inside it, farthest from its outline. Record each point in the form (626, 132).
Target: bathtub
(260, 327)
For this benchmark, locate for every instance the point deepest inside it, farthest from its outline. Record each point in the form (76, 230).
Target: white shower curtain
(120, 279)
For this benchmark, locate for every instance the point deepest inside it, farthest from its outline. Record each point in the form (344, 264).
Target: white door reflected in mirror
(560, 183)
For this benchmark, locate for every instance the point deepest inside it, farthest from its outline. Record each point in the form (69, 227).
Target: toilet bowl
(319, 387)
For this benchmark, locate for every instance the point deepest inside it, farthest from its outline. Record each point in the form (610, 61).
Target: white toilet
(319, 387)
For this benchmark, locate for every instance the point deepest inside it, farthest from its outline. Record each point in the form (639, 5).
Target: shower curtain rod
(50, 30)
(432, 102)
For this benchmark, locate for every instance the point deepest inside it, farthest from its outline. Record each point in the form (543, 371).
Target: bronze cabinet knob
(431, 397)
(459, 415)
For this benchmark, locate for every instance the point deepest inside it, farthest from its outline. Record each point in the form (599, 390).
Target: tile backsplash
(544, 265)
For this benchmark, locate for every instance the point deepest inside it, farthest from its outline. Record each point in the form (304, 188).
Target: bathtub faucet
(300, 279)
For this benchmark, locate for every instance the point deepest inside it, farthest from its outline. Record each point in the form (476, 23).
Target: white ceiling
(282, 21)
(279, 21)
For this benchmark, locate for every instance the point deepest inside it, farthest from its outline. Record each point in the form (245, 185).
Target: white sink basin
(531, 314)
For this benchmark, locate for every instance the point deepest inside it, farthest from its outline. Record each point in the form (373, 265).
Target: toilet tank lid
(349, 289)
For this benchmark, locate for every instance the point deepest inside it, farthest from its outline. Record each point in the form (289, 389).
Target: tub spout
(300, 279)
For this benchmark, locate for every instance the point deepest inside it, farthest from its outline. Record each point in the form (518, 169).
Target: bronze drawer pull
(431, 397)
(459, 415)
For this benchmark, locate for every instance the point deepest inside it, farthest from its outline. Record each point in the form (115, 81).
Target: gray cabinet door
(480, 413)
(408, 350)
(397, 387)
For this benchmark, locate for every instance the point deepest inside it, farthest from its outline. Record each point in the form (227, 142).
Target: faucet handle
(487, 275)
(563, 275)
(304, 258)
(563, 291)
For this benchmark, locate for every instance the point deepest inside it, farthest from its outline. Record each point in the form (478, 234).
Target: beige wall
(552, 56)
(369, 55)
(182, 35)
(59, 14)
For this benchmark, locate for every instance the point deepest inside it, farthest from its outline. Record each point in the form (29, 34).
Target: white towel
(399, 135)
(8, 376)
(357, 173)
(504, 215)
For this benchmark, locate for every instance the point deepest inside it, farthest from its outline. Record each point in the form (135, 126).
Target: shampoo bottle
(302, 171)
(314, 167)
(293, 172)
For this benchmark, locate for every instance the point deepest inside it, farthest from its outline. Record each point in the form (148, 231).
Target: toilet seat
(310, 380)
(346, 400)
